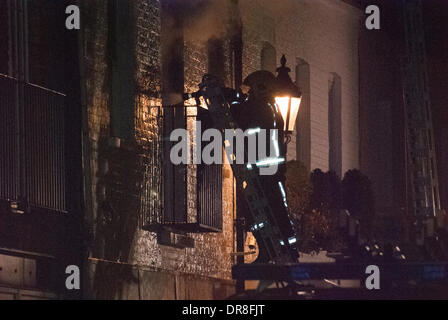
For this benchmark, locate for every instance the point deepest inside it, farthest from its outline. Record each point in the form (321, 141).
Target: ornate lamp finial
(283, 61)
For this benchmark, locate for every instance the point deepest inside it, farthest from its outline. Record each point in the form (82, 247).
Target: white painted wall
(324, 33)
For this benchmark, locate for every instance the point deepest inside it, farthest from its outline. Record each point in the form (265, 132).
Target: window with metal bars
(209, 187)
(32, 126)
(205, 180)
(192, 194)
(32, 160)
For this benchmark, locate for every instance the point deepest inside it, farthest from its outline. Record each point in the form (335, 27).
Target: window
(5, 38)
(216, 59)
(209, 188)
(203, 182)
(32, 126)
(303, 127)
(34, 42)
(122, 48)
(174, 176)
(268, 58)
(334, 124)
(184, 184)
(46, 48)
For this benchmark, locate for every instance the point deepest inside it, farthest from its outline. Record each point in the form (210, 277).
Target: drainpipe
(87, 205)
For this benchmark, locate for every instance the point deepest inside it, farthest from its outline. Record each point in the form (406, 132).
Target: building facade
(110, 201)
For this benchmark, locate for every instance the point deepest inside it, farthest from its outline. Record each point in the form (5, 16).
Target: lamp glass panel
(295, 105)
(283, 104)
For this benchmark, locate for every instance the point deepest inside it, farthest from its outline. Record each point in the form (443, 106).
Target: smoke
(205, 19)
(171, 99)
(279, 9)
(209, 19)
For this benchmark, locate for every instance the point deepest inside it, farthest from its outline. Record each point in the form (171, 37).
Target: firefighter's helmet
(261, 83)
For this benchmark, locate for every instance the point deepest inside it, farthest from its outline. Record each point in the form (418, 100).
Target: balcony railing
(32, 140)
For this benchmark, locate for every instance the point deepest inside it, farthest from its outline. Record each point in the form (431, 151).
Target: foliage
(298, 188)
(299, 191)
(358, 199)
(327, 201)
(314, 201)
(327, 186)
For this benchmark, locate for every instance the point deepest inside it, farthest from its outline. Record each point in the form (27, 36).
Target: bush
(358, 199)
(314, 202)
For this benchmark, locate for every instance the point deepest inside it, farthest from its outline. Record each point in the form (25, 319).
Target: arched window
(334, 124)
(268, 58)
(216, 59)
(303, 125)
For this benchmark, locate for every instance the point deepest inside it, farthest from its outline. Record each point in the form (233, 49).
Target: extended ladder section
(279, 245)
(421, 158)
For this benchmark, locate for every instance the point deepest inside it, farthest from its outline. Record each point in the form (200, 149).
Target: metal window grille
(208, 216)
(9, 170)
(209, 195)
(44, 148)
(151, 209)
(32, 140)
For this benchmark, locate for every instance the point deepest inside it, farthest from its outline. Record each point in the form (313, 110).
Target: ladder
(421, 158)
(279, 247)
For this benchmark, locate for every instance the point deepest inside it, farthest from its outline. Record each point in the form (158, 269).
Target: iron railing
(209, 195)
(9, 165)
(151, 209)
(208, 211)
(32, 144)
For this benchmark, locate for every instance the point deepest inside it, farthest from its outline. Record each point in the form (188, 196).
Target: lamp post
(288, 98)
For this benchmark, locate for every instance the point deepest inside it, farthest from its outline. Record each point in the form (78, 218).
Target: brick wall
(322, 33)
(120, 186)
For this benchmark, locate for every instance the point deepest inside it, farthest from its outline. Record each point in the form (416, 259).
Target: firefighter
(260, 111)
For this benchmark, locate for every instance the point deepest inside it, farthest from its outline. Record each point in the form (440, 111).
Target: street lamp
(288, 97)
